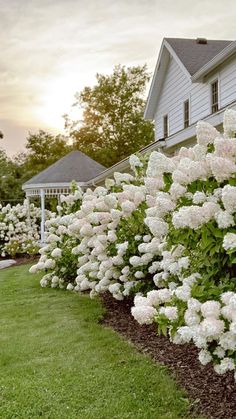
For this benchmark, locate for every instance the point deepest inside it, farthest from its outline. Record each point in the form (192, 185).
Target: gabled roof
(74, 166)
(226, 53)
(195, 55)
(191, 56)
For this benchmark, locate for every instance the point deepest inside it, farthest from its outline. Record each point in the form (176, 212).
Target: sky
(51, 49)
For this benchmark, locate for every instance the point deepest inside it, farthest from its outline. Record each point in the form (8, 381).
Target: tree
(10, 180)
(112, 127)
(43, 149)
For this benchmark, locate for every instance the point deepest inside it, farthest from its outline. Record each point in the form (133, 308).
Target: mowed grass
(56, 361)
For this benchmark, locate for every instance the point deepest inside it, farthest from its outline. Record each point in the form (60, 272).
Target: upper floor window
(165, 126)
(214, 96)
(186, 114)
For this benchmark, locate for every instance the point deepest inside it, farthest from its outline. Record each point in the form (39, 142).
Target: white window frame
(211, 82)
(189, 112)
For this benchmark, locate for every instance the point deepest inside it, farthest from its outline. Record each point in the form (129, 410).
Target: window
(186, 114)
(214, 97)
(165, 126)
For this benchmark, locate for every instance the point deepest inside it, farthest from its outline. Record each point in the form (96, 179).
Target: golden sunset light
(118, 209)
(53, 49)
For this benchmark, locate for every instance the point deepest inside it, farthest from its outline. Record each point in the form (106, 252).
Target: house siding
(201, 92)
(227, 77)
(200, 101)
(177, 88)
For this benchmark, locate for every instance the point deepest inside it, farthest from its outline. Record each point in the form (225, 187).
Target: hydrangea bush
(165, 233)
(57, 256)
(19, 229)
(196, 289)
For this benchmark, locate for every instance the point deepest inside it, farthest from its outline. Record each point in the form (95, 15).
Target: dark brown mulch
(213, 396)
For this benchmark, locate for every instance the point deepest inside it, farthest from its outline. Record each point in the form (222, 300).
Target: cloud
(51, 49)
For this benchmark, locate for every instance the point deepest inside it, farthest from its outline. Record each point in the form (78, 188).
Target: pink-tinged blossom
(229, 122)
(229, 198)
(158, 164)
(206, 133)
(221, 168)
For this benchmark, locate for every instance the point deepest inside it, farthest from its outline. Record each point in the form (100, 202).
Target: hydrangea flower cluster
(165, 234)
(57, 258)
(195, 295)
(19, 229)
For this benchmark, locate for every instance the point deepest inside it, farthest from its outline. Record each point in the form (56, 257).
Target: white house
(194, 79)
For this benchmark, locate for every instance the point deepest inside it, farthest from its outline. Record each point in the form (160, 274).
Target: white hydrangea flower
(144, 314)
(219, 352)
(228, 341)
(183, 292)
(211, 309)
(227, 364)
(212, 328)
(56, 253)
(134, 162)
(191, 317)
(206, 133)
(160, 296)
(229, 241)
(199, 197)
(229, 122)
(158, 164)
(204, 357)
(224, 219)
(170, 312)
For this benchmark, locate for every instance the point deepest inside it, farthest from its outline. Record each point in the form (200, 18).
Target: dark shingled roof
(74, 166)
(193, 55)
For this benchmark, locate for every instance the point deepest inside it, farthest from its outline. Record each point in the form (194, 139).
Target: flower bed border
(212, 395)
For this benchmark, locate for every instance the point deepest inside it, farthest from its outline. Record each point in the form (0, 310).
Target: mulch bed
(212, 395)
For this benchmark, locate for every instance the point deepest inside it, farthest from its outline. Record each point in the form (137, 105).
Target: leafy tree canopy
(112, 126)
(10, 180)
(43, 149)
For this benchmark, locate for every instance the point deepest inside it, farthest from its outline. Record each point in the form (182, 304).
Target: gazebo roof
(74, 166)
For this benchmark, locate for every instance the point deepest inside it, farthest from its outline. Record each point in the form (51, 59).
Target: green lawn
(56, 361)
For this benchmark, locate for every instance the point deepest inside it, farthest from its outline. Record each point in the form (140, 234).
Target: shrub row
(164, 234)
(19, 229)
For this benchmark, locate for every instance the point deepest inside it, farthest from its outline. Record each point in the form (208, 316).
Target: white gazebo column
(42, 198)
(28, 208)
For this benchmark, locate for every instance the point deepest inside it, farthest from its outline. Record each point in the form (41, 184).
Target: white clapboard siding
(175, 90)
(200, 101)
(228, 83)
(201, 92)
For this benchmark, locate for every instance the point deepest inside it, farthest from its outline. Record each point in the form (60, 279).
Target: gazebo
(56, 179)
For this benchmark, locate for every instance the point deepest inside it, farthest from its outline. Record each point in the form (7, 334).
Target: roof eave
(122, 165)
(155, 88)
(212, 64)
(148, 112)
(52, 185)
